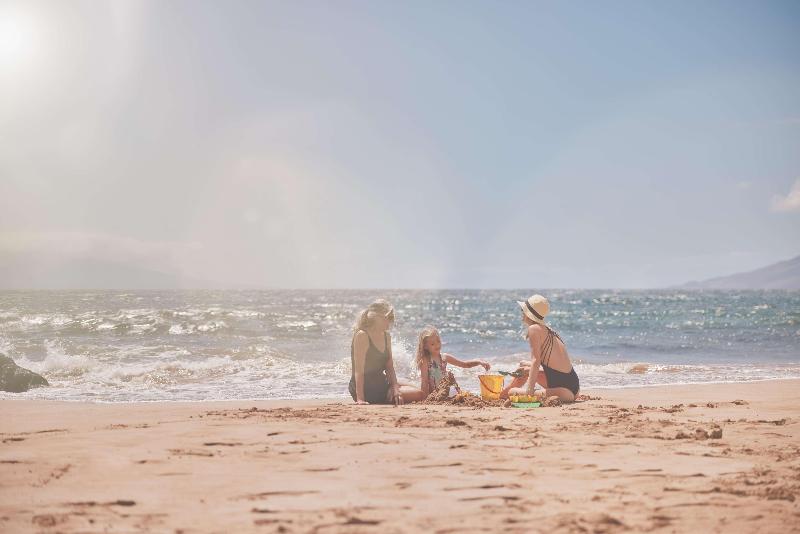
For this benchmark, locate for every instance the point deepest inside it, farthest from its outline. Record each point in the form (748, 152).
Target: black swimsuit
(557, 379)
(376, 385)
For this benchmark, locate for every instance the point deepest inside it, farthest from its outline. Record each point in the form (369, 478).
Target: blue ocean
(122, 346)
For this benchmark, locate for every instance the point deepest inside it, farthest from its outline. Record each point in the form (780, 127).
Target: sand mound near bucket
(441, 395)
(442, 391)
(467, 399)
(463, 398)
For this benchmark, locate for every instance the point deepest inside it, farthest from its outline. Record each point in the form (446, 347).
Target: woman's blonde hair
(422, 353)
(379, 307)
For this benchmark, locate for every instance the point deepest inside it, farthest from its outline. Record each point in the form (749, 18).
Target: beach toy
(519, 373)
(524, 401)
(491, 386)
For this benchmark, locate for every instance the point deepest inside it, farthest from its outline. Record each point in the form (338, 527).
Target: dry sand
(632, 460)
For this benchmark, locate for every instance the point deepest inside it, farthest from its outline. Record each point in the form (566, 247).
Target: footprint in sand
(118, 502)
(55, 475)
(455, 422)
(505, 498)
(186, 452)
(776, 422)
(281, 528)
(483, 487)
(358, 521)
(428, 466)
(267, 494)
(661, 521)
(47, 520)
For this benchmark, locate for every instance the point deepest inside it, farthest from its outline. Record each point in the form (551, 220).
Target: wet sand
(709, 458)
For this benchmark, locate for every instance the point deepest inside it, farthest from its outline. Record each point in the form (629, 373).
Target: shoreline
(347, 398)
(621, 461)
(680, 384)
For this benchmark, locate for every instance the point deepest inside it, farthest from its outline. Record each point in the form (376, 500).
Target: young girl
(432, 363)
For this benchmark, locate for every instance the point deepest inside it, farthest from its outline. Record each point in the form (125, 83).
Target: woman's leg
(562, 393)
(411, 394)
(520, 381)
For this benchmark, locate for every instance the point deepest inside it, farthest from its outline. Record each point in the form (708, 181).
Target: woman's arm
(536, 357)
(449, 358)
(360, 347)
(390, 373)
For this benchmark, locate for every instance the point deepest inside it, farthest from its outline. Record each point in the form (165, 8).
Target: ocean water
(116, 346)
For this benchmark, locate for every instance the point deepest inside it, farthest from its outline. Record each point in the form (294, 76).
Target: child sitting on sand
(432, 364)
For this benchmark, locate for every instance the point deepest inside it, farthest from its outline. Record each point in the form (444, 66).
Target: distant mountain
(781, 275)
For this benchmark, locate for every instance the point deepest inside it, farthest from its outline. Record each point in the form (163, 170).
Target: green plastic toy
(526, 404)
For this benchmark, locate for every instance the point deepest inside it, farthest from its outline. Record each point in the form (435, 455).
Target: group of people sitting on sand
(374, 380)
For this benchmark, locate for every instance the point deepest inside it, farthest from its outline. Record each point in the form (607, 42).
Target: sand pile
(465, 398)
(441, 395)
(442, 391)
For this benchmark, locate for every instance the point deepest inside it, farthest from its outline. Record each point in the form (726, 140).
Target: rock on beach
(16, 379)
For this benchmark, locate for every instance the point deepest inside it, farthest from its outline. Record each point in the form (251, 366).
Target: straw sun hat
(535, 308)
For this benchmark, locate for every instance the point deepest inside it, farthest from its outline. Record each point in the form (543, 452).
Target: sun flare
(18, 38)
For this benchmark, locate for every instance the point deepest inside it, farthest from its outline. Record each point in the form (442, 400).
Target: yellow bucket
(491, 386)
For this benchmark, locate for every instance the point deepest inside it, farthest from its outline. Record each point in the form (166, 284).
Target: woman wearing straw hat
(373, 380)
(557, 376)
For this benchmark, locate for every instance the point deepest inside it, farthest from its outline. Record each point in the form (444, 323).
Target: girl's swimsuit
(376, 384)
(436, 373)
(557, 379)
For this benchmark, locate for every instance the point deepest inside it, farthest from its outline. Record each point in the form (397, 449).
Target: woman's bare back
(550, 348)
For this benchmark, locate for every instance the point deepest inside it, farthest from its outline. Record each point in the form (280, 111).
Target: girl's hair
(422, 353)
(379, 307)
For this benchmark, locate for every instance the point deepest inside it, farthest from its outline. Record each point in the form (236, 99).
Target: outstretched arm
(449, 358)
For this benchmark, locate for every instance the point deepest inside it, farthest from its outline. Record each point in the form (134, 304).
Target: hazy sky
(396, 144)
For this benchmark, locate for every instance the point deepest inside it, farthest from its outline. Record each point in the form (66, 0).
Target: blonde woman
(557, 376)
(373, 380)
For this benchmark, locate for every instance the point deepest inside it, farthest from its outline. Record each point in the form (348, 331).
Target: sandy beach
(708, 458)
